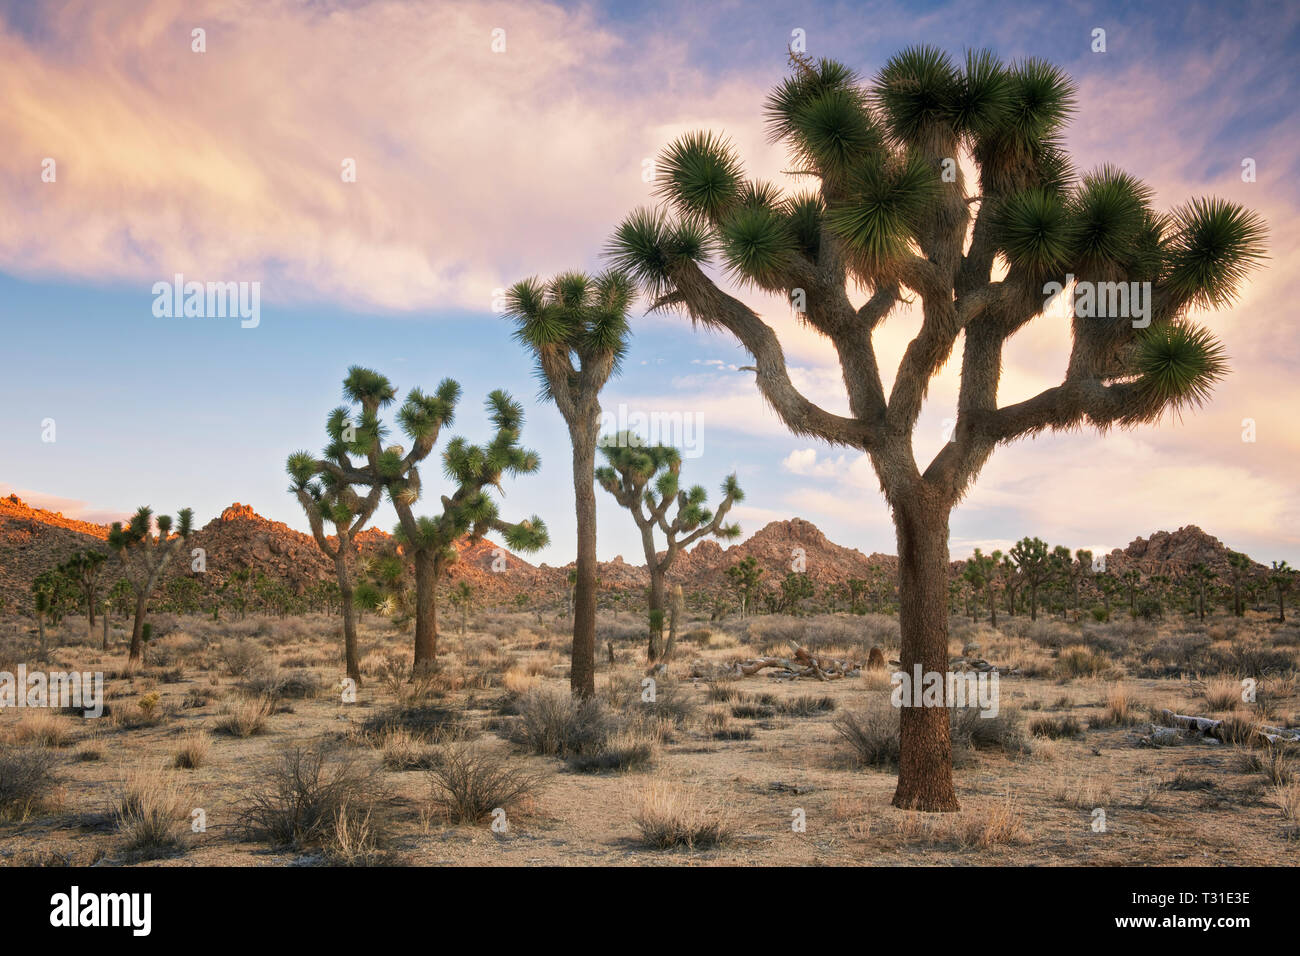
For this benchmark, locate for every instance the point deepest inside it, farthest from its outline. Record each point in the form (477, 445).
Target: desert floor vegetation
(490, 760)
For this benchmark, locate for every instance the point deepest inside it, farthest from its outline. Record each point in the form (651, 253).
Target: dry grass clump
(27, 781)
(1241, 731)
(1055, 728)
(470, 782)
(1274, 762)
(316, 798)
(976, 729)
(999, 825)
(670, 815)
(421, 719)
(244, 718)
(41, 729)
(1081, 661)
(193, 752)
(633, 748)
(400, 749)
(241, 658)
(150, 812)
(1287, 797)
(1121, 710)
(297, 684)
(1222, 693)
(553, 723)
(872, 734)
(1083, 793)
(806, 705)
(518, 681)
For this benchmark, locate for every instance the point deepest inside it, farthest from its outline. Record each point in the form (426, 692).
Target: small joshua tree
(632, 467)
(144, 556)
(744, 576)
(82, 569)
(430, 542)
(469, 512)
(462, 599)
(324, 497)
(1282, 577)
(1239, 570)
(576, 327)
(982, 573)
(1033, 565)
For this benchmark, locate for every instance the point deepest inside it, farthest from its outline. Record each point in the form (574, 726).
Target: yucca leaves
(832, 131)
(809, 83)
(757, 244)
(699, 174)
(1041, 98)
(647, 242)
(1177, 365)
(366, 386)
(1110, 212)
(1214, 246)
(884, 206)
(982, 96)
(1036, 231)
(918, 92)
(803, 214)
(301, 467)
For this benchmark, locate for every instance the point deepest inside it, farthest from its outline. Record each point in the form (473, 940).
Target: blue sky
(476, 171)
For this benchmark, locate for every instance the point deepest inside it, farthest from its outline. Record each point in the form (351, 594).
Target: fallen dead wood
(802, 665)
(1208, 727)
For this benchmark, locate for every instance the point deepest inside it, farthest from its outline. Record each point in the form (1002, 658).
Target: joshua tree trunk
(993, 608)
(925, 760)
(137, 626)
(675, 616)
(657, 603)
(342, 567)
(582, 675)
(40, 629)
(105, 619)
(426, 612)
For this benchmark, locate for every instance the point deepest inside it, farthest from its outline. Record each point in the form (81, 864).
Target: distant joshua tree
(982, 573)
(1282, 577)
(83, 570)
(649, 475)
(1239, 570)
(1034, 567)
(744, 576)
(576, 326)
(144, 556)
(469, 511)
(325, 497)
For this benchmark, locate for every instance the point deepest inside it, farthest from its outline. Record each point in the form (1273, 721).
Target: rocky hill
(32, 540)
(1173, 553)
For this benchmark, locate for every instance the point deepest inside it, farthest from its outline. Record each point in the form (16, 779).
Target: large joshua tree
(431, 542)
(576, 327)
(632, 467)
(145, 555)
(889, 212)
(324, 497)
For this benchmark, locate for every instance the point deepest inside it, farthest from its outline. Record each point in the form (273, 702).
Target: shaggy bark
(582, 674)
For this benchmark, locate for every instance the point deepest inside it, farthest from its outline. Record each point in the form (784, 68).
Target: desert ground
(488, 761)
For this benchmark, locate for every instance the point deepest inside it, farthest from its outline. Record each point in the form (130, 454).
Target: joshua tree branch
(710, 305)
